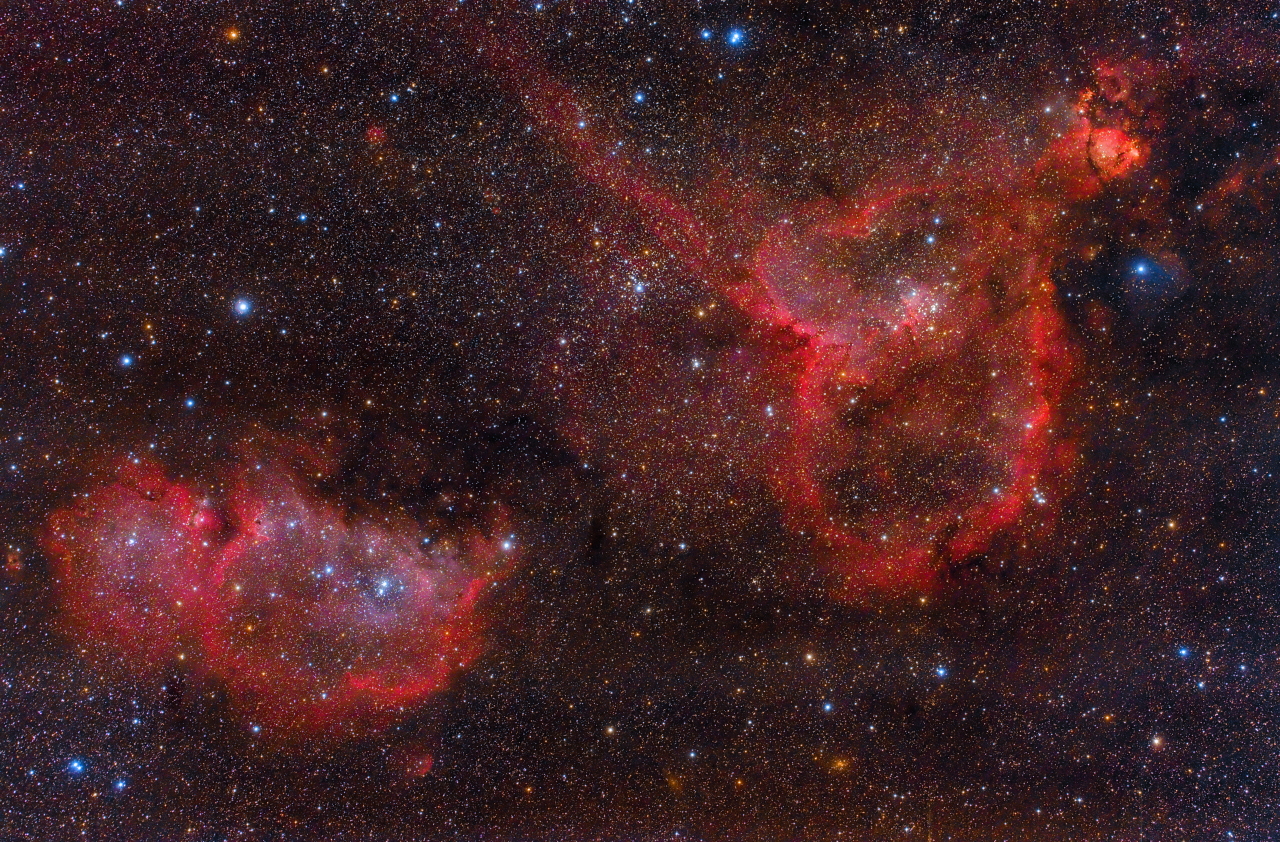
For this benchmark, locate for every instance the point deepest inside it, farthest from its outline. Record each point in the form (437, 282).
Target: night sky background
(637, 420)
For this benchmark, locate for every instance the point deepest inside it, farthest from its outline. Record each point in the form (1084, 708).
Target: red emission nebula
(311, 620)
(927, 387)
(913, 326)
(934, 358)
(910, 330)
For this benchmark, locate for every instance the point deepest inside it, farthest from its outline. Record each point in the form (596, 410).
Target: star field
(628, 421)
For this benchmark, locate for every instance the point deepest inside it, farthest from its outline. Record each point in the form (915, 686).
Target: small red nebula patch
(312, 620)
(375, 135)
(420, 766)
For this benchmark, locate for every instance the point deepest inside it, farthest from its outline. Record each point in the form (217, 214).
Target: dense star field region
(629, 420)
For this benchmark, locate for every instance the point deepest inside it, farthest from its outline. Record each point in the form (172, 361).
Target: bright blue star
(76, 766)
(243, 306)
(735, 37)
(191, 403)
(942, 672)
(706, 35)
(126, 361)
(639, 97)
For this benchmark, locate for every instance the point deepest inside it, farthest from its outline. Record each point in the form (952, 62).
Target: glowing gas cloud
(911, 325)
(312, 619)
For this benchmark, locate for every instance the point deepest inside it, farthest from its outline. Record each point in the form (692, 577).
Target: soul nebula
(309, 618)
